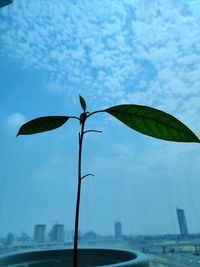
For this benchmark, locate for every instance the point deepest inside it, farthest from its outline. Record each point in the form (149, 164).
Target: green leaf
(153, 122)
(42, 124)
(82, 102)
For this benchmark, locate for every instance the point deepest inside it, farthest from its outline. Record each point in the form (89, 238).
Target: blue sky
(110, 52)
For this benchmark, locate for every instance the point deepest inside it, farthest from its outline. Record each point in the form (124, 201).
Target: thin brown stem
(75, 263)
(82, 120)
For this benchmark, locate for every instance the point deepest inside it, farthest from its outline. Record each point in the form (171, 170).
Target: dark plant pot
(63, 258)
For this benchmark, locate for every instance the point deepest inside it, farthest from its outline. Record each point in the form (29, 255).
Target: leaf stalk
(89, 131)
(89, 174)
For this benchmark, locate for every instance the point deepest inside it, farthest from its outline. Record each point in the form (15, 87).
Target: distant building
(182, 221)
(39, 233)
(57, 233)
(24, 237)
(118, 230)
(91, 235)
(10, 239)
(5, 2)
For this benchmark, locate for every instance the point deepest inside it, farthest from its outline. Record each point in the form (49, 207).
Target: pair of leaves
(144, 119)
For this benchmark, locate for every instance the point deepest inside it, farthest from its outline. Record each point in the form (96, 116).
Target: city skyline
(58, 231)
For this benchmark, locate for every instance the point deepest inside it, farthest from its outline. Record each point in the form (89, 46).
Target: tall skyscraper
(118, 229)
(39, 233)
(57, 233)
(182, 221)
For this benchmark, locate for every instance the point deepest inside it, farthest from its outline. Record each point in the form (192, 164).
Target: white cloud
(15, 120)
(119, 51)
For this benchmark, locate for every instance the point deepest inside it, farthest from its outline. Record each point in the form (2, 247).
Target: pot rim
(137, 257)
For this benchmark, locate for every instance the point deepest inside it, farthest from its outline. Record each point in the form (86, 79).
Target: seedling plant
(144, 119)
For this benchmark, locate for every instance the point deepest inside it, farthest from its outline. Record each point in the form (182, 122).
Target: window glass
(145, 192)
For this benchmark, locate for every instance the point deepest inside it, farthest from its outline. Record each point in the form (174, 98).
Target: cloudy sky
(110, 52)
